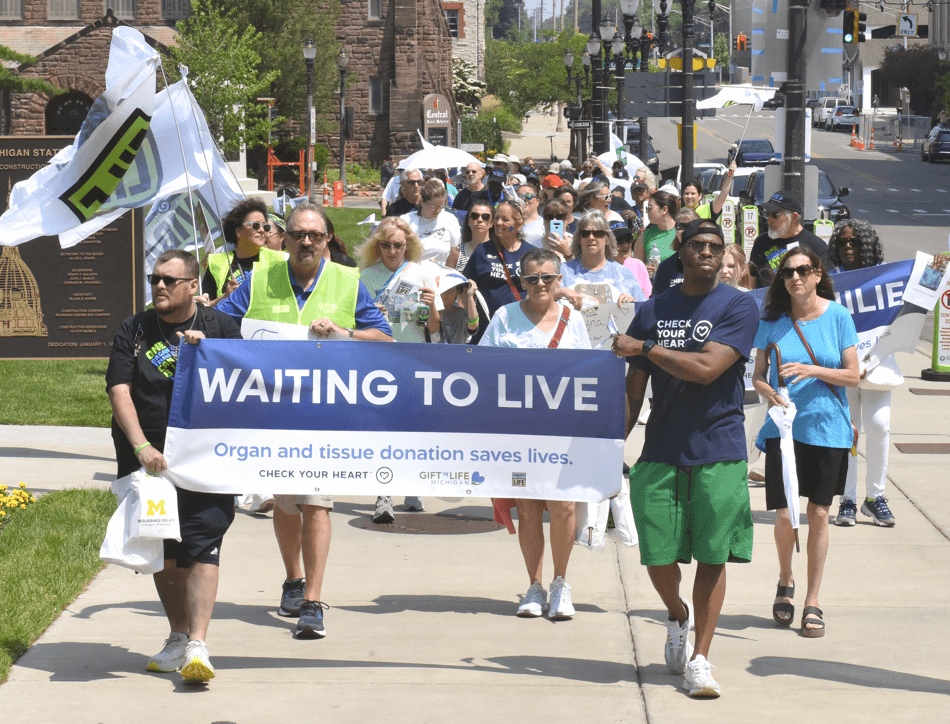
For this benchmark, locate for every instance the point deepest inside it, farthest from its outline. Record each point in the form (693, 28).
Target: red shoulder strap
(561, 326)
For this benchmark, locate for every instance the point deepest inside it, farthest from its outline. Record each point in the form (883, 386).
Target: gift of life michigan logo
(20, 312)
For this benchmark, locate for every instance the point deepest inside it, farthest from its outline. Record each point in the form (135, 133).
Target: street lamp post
(342, 61)
(309, 53)
(579, 136)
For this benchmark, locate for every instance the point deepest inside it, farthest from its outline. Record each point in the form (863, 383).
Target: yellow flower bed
(13, 500)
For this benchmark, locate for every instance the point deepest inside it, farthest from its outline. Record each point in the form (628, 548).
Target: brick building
(400, 50)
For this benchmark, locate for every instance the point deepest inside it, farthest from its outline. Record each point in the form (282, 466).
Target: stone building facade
(400, 50)
(466, 21)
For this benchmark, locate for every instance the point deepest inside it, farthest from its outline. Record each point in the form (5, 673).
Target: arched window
(65, 113)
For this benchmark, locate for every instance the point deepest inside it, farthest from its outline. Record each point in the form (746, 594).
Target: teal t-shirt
(820, 418)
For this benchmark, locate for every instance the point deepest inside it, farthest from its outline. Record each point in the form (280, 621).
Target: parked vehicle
(937, 144)
(776, 101)
(752, 152)
(823, 110)
(845, 117)
(707, 172)
(632, 139)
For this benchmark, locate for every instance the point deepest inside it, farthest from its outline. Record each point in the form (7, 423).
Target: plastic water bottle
(654, 260)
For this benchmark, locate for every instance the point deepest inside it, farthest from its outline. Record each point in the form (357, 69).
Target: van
(824, 109)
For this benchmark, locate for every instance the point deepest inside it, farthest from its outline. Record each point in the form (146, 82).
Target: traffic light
(741, 41)
(862, 27)
(849, 26)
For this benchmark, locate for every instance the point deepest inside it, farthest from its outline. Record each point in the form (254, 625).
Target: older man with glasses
(139, 381)
(330, 299)
(785, 231)
(410, 189)
(474, 190)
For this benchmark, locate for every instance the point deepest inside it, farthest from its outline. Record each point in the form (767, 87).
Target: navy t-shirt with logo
(691, 423)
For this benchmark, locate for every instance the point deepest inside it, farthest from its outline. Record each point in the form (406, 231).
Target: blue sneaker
(310, 624)
(291, 598)
(879, 512)
(847, 513)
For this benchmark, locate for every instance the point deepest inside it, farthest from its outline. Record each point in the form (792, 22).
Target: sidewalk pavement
(421, 626)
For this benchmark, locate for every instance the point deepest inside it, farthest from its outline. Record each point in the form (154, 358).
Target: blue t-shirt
(367, 314)
(616, 276)
(485, 269)
(691, 423)
(666, 275)
(820, 419)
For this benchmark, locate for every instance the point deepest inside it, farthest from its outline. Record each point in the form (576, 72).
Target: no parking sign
(750, 228)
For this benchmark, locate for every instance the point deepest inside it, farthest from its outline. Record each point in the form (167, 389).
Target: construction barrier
(338, 194)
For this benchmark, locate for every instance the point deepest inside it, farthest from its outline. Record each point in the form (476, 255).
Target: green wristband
(141, 447)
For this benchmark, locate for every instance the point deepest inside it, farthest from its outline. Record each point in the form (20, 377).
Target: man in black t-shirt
(475, 189)
(410, 193)
(785, 231)
(139, 380)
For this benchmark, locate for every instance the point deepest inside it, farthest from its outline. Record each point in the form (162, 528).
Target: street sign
(313, 126)
(907, 25)
(579, 125)
(473, 147)
(660, 95)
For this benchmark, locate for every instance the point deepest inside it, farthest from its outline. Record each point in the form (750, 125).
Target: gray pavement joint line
(633, 641)
(913, 502)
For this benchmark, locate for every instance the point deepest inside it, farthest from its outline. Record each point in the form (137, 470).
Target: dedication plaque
(60, 303)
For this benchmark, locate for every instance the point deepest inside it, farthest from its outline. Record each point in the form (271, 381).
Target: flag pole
(181, 145)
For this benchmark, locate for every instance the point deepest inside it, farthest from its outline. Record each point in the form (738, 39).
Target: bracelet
(141, 447)
(473, 321)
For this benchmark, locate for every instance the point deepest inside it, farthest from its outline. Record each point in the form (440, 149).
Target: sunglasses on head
(475, 217)
(257, 226)
(154, 279)
(596, 233)
(533, 279)
(803, 271)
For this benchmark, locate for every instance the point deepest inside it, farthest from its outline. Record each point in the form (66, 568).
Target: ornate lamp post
(575, 113)
(309, 53)
(342, 61)
(593, 50)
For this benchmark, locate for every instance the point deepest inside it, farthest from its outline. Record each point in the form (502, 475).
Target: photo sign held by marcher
(341, 418)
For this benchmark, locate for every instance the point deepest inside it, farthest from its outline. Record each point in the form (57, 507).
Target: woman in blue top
(802, 296)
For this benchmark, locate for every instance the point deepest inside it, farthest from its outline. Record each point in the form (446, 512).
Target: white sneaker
(560, 606)
(678, 649)
(261, 504)
(698, 680)
(172, 656)
(413, 503)
(197, 668)
(532, 605)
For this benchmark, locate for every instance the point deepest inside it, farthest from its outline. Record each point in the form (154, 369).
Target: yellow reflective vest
(219, 265)
(334, 297)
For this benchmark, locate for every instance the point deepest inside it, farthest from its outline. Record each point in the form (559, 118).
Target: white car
(824, 109)
(845, 117)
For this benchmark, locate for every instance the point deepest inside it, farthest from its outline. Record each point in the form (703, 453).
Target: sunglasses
(776, 214)
(699, 247)
(533, 279)
(417, 182)
(389, 246)
(596, 233)
(803, 271)
(602, 197)
(470, 172)
(154, 279)
(562, 217)
(479, 217)
(848, 242)
(316, 236)
(527, 197)
(257, 226)
(680, 225)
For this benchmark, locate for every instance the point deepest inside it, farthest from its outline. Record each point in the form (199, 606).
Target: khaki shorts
(290, 503)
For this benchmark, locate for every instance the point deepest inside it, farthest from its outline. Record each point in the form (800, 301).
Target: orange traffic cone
(854, 137)
(871, 144)
(326, 192)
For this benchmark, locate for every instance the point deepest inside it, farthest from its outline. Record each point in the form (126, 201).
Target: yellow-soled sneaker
(197, 668)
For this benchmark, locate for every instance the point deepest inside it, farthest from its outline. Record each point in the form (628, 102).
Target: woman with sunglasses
(854, 244)
(591, 273)
(670, 273)
(538, 322)
(818, 346)
(246, 229)
(596, 197)
(478, 224)
(558, 211)
(437, 229)
(533, 229)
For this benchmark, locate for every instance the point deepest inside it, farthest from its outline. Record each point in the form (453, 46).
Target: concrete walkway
(421, 627)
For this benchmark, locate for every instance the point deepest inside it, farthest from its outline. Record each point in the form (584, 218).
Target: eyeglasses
(562, 217)
(257, 226)
(316, 236)
(699, 247)
(596, 233)
(803, 271)
(479, 217)
(602, 197)
(413, 182)
(527, 197)
(389, 246)
(848, 242)
(776, 214)
(470, 172)
(154, 279)
(533, 279)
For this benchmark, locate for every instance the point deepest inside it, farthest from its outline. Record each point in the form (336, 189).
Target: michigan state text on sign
(375, 418)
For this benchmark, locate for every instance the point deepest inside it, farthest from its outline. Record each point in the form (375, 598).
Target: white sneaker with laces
(413, 503)
(172, 655)
(678, 648)
(560, 606)
(532, 605)
(197, 668)
(698, 680)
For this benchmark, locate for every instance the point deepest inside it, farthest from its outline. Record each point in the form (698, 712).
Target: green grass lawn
(48, 554)
(344, 224)
(54, 392)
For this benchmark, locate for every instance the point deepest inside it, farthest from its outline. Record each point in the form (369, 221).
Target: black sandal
(817, 618)
(782, 606)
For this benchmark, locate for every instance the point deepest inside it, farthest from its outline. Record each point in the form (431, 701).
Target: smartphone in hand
(557, 226)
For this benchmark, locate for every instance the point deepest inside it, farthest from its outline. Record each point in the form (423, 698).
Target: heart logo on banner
(477, 479)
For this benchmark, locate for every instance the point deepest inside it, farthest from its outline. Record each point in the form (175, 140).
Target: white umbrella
(783, 417)
(439, 157)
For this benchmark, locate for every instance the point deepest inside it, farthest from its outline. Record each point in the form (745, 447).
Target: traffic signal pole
(794, 160)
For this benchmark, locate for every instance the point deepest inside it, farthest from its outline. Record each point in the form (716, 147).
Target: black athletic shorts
(821, 473)
(204, 518)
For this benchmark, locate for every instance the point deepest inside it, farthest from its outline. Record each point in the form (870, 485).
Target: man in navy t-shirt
(688, 490)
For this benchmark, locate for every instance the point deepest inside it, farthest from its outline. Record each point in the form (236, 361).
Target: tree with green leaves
(466, 87)
(917, 69)
(225, 74)
(721, 51)
(13, 83)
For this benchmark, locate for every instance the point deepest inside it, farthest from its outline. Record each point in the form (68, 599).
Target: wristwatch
(647, 346)
(350, 332)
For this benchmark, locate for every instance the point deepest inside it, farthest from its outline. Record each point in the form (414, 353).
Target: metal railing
(892, 132)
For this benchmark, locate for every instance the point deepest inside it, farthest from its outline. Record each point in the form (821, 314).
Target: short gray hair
(404, 176)
(539, 257)
(307, 206)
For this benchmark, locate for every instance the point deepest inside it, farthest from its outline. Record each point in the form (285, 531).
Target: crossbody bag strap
(561, 326)
(504, 265)
(811, 354)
